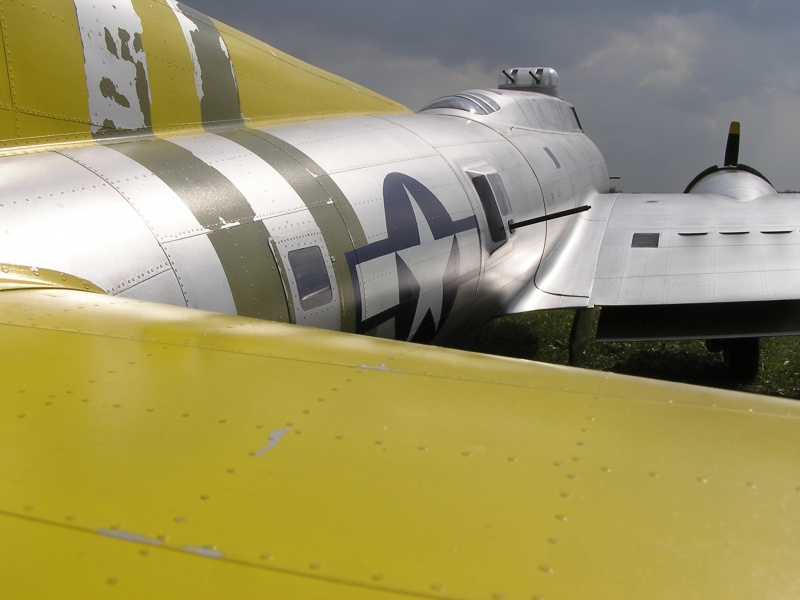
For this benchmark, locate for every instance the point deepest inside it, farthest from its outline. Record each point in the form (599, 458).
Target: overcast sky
(655, 84)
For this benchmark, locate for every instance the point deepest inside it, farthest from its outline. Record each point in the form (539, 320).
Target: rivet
(512, 459)
(752, 484)
(112, 581)
(546, 569)
(315, 566)
(561, 517)
(205, 497)
(186, 414)
(606, 469)
(222, 421)
(467, 453)
(437, 587)
(553, 540)
(144, 551)
(557, 464)
(566, 495)
(265, 556)
(702, 480)
(653, 474)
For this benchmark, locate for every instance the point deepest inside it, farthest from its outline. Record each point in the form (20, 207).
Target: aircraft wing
(155, 451)
(670, 266)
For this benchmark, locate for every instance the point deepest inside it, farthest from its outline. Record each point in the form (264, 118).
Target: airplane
(179, 199)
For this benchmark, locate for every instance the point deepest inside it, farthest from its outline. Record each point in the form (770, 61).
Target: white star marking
(427, 262)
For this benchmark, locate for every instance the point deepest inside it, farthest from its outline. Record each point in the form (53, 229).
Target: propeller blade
(732, 147)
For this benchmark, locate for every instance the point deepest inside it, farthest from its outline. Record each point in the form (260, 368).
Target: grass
(544, 337)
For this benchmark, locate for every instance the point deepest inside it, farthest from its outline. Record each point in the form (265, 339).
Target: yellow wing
(153, 451)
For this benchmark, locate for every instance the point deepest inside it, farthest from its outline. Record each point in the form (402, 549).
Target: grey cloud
(655, 83)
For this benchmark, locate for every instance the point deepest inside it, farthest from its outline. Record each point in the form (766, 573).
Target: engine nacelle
(737, 182)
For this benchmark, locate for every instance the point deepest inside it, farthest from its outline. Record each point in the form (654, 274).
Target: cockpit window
(457, 103)
(489, 104)
(311, 275)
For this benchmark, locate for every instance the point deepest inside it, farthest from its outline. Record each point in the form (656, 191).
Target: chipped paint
(115, 65)
(187, 27)
(380, 367)
(274, 438)
(207, 552)
(128, 536)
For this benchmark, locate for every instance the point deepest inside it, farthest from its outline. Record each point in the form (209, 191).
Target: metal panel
(268, 193)
(163, 288)
(160, 207)
(57, 214)
(339, 145)
(200, 274)
(711, 249)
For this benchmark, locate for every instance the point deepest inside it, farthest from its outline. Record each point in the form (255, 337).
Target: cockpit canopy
(472, 102)
(509, 108)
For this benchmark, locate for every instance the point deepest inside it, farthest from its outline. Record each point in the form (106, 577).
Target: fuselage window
(311, 276)
(497, 230)
(457, 103)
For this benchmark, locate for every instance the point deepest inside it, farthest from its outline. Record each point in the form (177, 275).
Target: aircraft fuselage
(396, 226)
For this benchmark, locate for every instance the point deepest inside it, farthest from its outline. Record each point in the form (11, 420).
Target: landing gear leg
(741, 356)
(581, 335)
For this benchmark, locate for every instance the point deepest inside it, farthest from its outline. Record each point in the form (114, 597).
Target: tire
(742, 356)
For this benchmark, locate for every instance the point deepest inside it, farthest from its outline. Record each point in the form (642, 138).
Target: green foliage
(544, 337)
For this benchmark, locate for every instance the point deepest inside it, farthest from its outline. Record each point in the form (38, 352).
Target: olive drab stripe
(326, 203)
(220, 97)
(241, 243)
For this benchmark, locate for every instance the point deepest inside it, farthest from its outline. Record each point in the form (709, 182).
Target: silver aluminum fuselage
(211, 221)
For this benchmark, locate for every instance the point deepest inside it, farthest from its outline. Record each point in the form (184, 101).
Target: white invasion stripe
(267, 192)
(207, 552)
(230, 62)
(201, 275)
(128, 536)
(274, 438)
(188, 26)
(100, 25)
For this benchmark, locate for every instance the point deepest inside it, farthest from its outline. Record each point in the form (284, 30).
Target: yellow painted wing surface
(148, 451)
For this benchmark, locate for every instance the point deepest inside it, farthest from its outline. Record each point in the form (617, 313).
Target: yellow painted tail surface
(78, 71)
